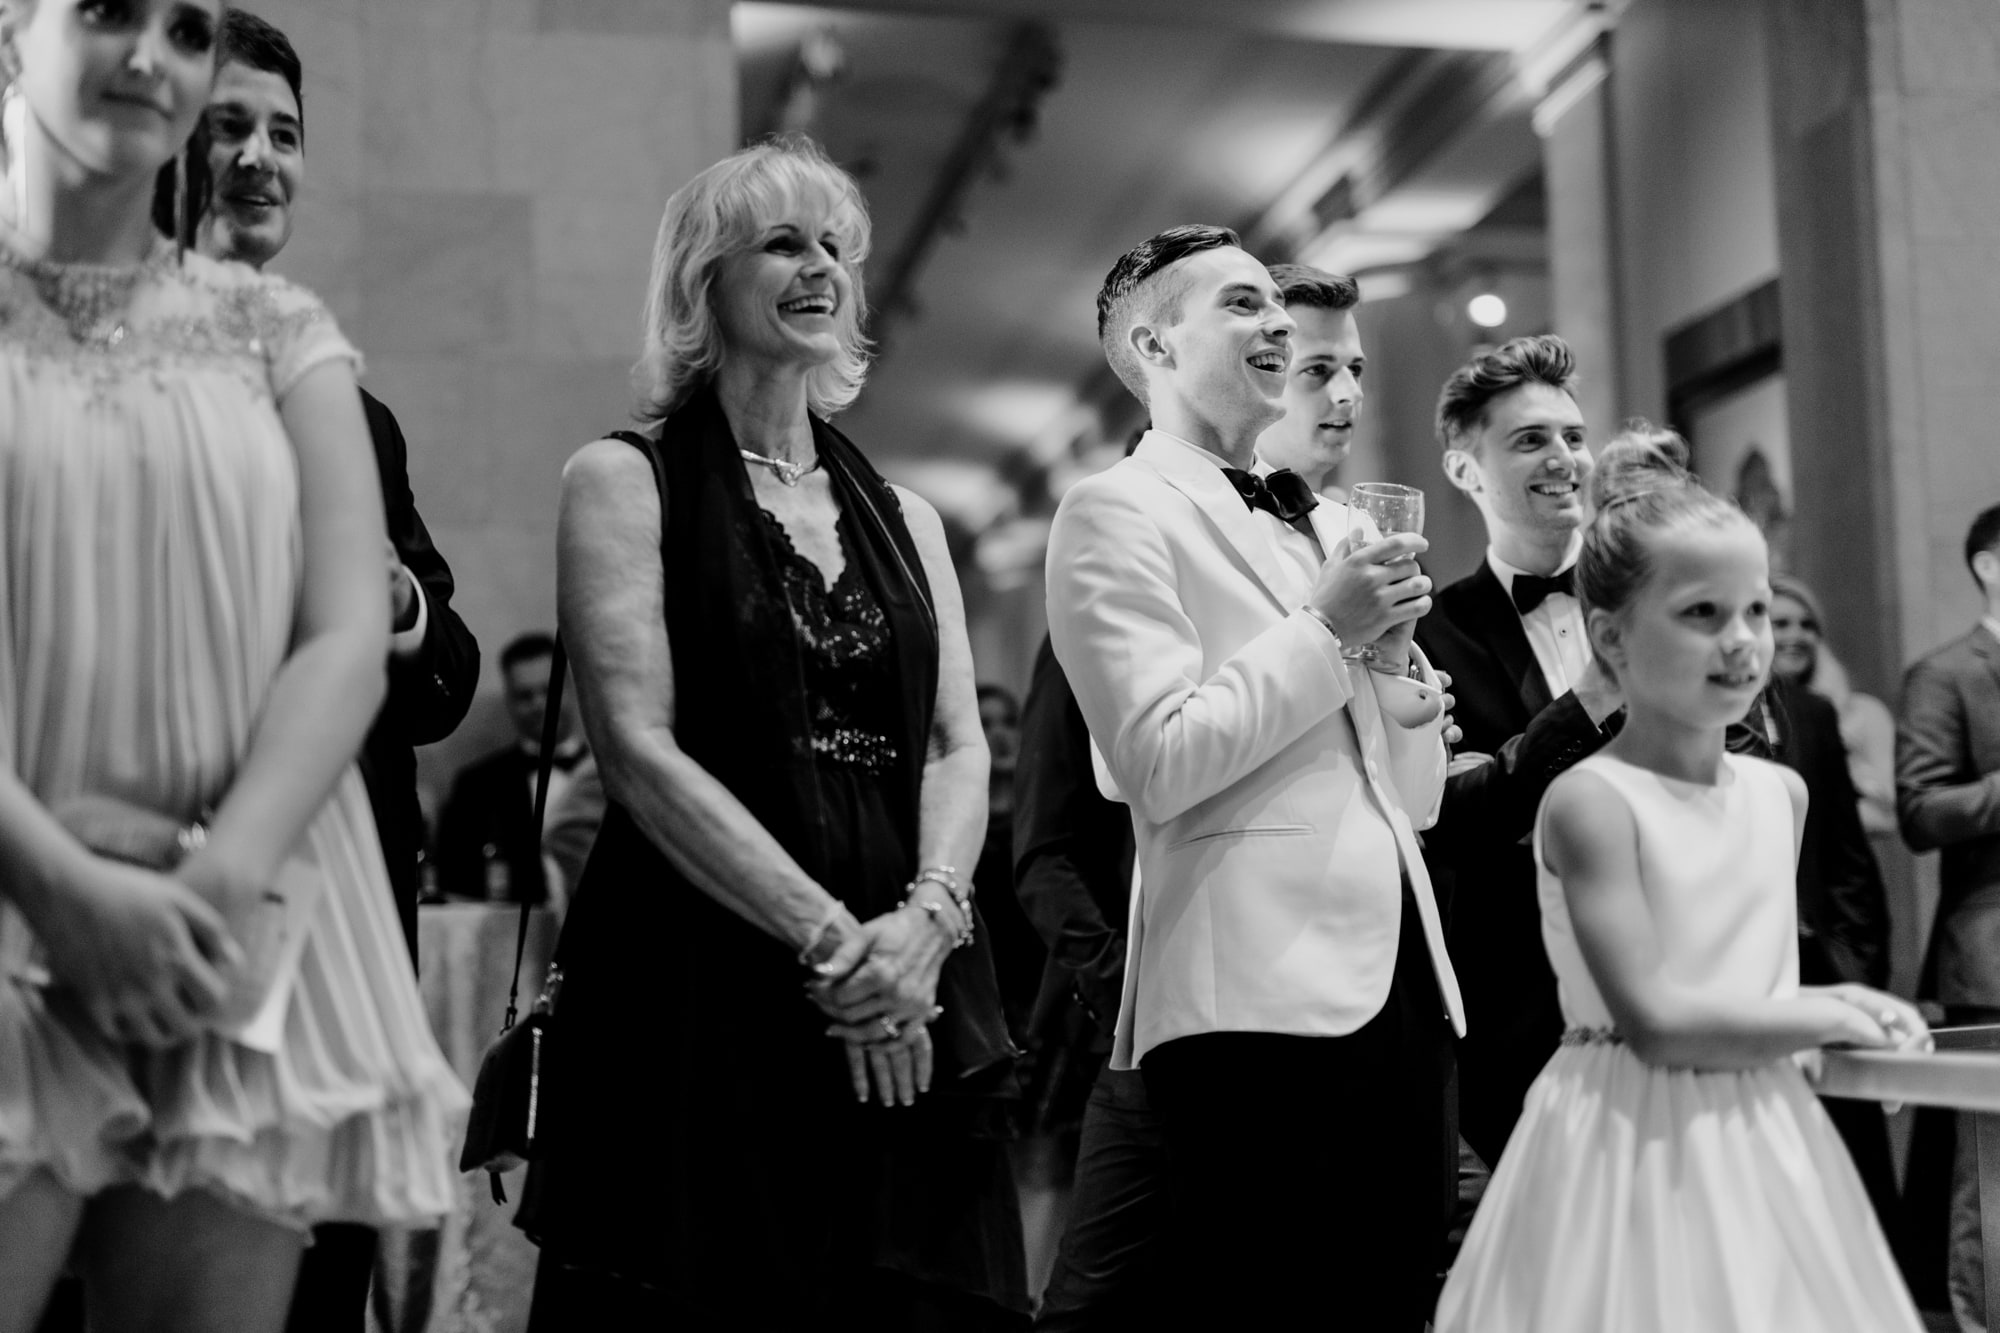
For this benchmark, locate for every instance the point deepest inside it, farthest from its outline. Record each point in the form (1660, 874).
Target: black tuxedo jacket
(428, 692)
(491, 804)
(1948, 797)
(1072, 859)
(1477, 851)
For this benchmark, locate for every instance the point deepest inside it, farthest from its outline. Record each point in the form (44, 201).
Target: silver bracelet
(1322, 618)
(963, 935)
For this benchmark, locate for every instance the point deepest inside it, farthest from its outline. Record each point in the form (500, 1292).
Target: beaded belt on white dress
(1592, 1037)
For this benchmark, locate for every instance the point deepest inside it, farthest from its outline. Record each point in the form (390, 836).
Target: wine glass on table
(1378, 509)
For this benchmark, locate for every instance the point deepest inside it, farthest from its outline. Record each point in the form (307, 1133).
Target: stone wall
(483, 183)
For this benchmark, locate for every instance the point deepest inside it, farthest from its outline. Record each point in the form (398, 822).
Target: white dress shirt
(1555, 628)
(1992, 625)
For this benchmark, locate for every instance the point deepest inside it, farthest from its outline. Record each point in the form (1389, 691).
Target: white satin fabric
(1643, 1199)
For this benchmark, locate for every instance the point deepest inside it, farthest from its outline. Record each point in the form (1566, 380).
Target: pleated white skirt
(1636, 1199)
(354, 1119)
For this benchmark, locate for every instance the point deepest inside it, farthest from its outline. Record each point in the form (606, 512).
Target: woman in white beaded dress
(208, 1041)
(1672, 1171)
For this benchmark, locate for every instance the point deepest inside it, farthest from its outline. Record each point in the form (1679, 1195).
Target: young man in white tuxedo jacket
(1287, 995)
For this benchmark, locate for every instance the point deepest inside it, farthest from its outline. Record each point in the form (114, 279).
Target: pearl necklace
(87, 297)
(789, 473)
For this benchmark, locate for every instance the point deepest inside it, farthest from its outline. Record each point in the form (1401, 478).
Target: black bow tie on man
(1284, 493)
(1531, 590)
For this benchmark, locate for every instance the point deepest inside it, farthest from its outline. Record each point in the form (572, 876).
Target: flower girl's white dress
(1633, 1198)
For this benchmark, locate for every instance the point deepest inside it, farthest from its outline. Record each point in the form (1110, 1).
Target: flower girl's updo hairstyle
(1641, 488)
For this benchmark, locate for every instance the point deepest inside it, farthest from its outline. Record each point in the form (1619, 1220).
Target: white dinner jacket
(1270, 798)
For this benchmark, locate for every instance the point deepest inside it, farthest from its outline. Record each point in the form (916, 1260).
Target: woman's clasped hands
(879, 986)
(140, 948)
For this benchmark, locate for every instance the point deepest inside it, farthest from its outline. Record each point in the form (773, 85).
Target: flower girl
(1672, 1169)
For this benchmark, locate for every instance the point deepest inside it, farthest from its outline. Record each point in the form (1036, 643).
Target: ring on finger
(891, 1029)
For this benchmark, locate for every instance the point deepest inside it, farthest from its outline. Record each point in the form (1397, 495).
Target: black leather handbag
(501, 1131)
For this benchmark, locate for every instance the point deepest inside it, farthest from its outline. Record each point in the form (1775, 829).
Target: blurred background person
(1867, 729)
(1018, 952)
(569, 831)
(179, 792)
(793, 754)
(487, 842)
(1948, 799)
(1843, 911)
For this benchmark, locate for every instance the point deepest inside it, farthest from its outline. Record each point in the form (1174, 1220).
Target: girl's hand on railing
(1898, 1019)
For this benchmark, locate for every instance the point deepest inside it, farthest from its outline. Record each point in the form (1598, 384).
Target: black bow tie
(1284, 494)
(1531, 590)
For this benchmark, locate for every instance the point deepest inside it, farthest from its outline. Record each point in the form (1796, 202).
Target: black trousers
(570, 1299)
(1313, 1176)
(1111, 1270)
(332, 1293)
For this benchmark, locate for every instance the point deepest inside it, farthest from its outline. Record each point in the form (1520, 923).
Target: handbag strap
(551, 726)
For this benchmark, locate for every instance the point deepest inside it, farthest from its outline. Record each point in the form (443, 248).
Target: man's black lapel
(1497, 625)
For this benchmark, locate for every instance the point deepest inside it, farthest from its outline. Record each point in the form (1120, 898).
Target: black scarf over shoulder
(742, 710)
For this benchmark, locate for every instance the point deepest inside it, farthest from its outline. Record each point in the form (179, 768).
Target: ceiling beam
(1028, 67)
(1471, 25)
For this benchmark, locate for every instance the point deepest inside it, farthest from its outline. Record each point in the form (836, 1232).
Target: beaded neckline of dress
(90, 299)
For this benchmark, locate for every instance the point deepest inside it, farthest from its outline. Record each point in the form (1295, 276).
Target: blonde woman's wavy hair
(718, 213)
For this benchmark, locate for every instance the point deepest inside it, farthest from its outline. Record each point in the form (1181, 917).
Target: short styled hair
(249, 40)
(1541, 359)
(1139, 288)
(718, 213)
(1305, 287)
(1982, 536)
(526, 648)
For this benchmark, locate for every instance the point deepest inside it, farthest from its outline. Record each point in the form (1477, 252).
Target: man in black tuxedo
(1948, 798)
(488, 845)
(255, 137)
(1530, 703)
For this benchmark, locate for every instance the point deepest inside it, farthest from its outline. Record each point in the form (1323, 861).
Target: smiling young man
(1287, 997)
(1322, 395)
(1511, 636)
(255, 130)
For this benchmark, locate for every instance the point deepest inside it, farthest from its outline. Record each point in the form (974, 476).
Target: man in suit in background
(255, 139)
(1510, 636)
(488, 848)
(1287, 996)
(1948, 798)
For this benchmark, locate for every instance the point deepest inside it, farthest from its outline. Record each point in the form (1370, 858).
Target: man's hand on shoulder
(1599, 693)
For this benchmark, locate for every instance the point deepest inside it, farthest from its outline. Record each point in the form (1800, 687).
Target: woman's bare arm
(612, 611)
(331, 685)
(952, 815)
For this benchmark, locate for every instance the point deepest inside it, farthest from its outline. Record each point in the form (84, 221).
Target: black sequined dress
(702, 1131)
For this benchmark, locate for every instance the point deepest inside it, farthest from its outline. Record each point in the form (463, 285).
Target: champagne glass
(1378, 509)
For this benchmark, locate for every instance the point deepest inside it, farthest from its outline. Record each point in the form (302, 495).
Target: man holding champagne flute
(1288, 1000)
